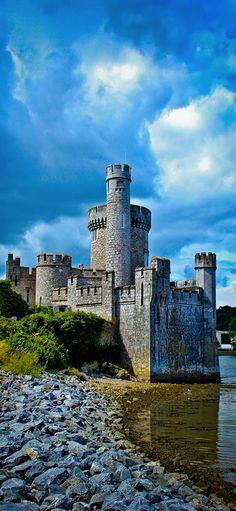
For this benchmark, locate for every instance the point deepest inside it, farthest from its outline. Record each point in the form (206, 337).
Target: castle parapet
(97, 217)
(117, 170)
(140, 217)
(49, 259)
(205, 260)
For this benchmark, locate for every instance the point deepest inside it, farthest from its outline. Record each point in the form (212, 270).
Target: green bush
(59, 337)
(50, 353)
(7, 326)
(11, 302)
(18, 361)
(79, 332)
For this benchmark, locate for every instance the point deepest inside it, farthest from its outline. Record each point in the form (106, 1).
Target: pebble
(60, 449)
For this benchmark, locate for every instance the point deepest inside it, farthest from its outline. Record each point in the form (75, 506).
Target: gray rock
(114, 502)
(141, 504)
(175, 505)
(52, 476)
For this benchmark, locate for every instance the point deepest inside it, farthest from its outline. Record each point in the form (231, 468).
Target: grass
(19, 361)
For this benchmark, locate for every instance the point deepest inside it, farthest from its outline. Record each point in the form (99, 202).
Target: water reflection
(201, 426)
(226, 444)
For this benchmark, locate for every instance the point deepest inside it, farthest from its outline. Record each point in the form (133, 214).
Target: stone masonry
(166, 330)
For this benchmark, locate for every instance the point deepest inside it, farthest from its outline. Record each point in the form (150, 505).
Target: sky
(88, 83)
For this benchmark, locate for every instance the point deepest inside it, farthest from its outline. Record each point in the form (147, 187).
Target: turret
(205, 266)
(118, 246)
(51, 272)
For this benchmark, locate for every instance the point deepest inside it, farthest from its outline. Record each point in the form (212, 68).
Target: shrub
(11, 302)
(18, 361)
(79, 332)
(48, 351)
(7, 327)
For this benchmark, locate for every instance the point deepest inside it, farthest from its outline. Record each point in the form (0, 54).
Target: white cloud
(226, 295)
(195, 148)
(65, 234)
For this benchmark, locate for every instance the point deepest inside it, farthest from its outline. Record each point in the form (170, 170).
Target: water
(200, 429)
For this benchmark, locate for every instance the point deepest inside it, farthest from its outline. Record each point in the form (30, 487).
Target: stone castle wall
(22, 279)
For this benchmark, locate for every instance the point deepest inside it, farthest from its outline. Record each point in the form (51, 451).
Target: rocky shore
(60, 449)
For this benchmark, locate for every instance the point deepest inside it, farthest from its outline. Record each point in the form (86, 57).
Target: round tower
(118, 246)
(51, 272)
(97, 221)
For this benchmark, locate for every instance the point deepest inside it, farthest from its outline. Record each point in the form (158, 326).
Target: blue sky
(83, 83)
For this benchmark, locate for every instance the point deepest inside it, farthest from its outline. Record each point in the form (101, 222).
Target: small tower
(205, 266)
(51, 272)
(118, 245)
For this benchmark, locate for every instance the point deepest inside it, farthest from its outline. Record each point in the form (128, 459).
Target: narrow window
(40, 300)
(141, 293)
(128, 290)
(44, 257)
(88, 290)
(59, 291)
(94, 235)
(95, 290)
(81, 291)
(108, 187)
(27, 294)
(71, 281)
(66, 291)
(15, 280)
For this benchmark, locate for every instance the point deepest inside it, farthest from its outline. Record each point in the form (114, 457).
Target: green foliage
(232, 331)
(223, 316)
(18, 361)
(11, 302)
(33, 309)
(58, 338)
(7, 326)
(79, 332)
(49, 352)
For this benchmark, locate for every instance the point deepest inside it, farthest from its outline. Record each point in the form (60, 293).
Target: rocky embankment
(60, 450)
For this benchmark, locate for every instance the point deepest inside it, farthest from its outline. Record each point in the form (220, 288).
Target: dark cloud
(83, 83)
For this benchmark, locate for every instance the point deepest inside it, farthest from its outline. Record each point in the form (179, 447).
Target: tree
(11, 302)
(232, 331)
(223, 316)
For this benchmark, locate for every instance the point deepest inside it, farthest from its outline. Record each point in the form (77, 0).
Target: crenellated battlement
(49, 259)
(126, 294)
(184, 283)
(140, 217)
(187, 296)
(97, 217)
(205, 260)
(118, 170)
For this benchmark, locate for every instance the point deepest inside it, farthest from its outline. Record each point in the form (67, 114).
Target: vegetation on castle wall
(57, 339)
(11, 302)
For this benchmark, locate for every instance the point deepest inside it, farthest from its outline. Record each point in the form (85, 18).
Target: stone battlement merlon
(205, 260)
(48, 259)
(118, 170)
(187, 296)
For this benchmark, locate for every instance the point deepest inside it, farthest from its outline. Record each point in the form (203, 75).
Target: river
(197, 434)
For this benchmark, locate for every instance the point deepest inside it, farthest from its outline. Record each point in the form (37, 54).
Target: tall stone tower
(205, 266)
(118, 246)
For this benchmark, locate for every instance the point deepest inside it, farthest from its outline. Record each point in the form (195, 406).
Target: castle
(166, 329)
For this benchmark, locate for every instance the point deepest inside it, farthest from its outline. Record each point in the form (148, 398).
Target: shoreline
(62, 447)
